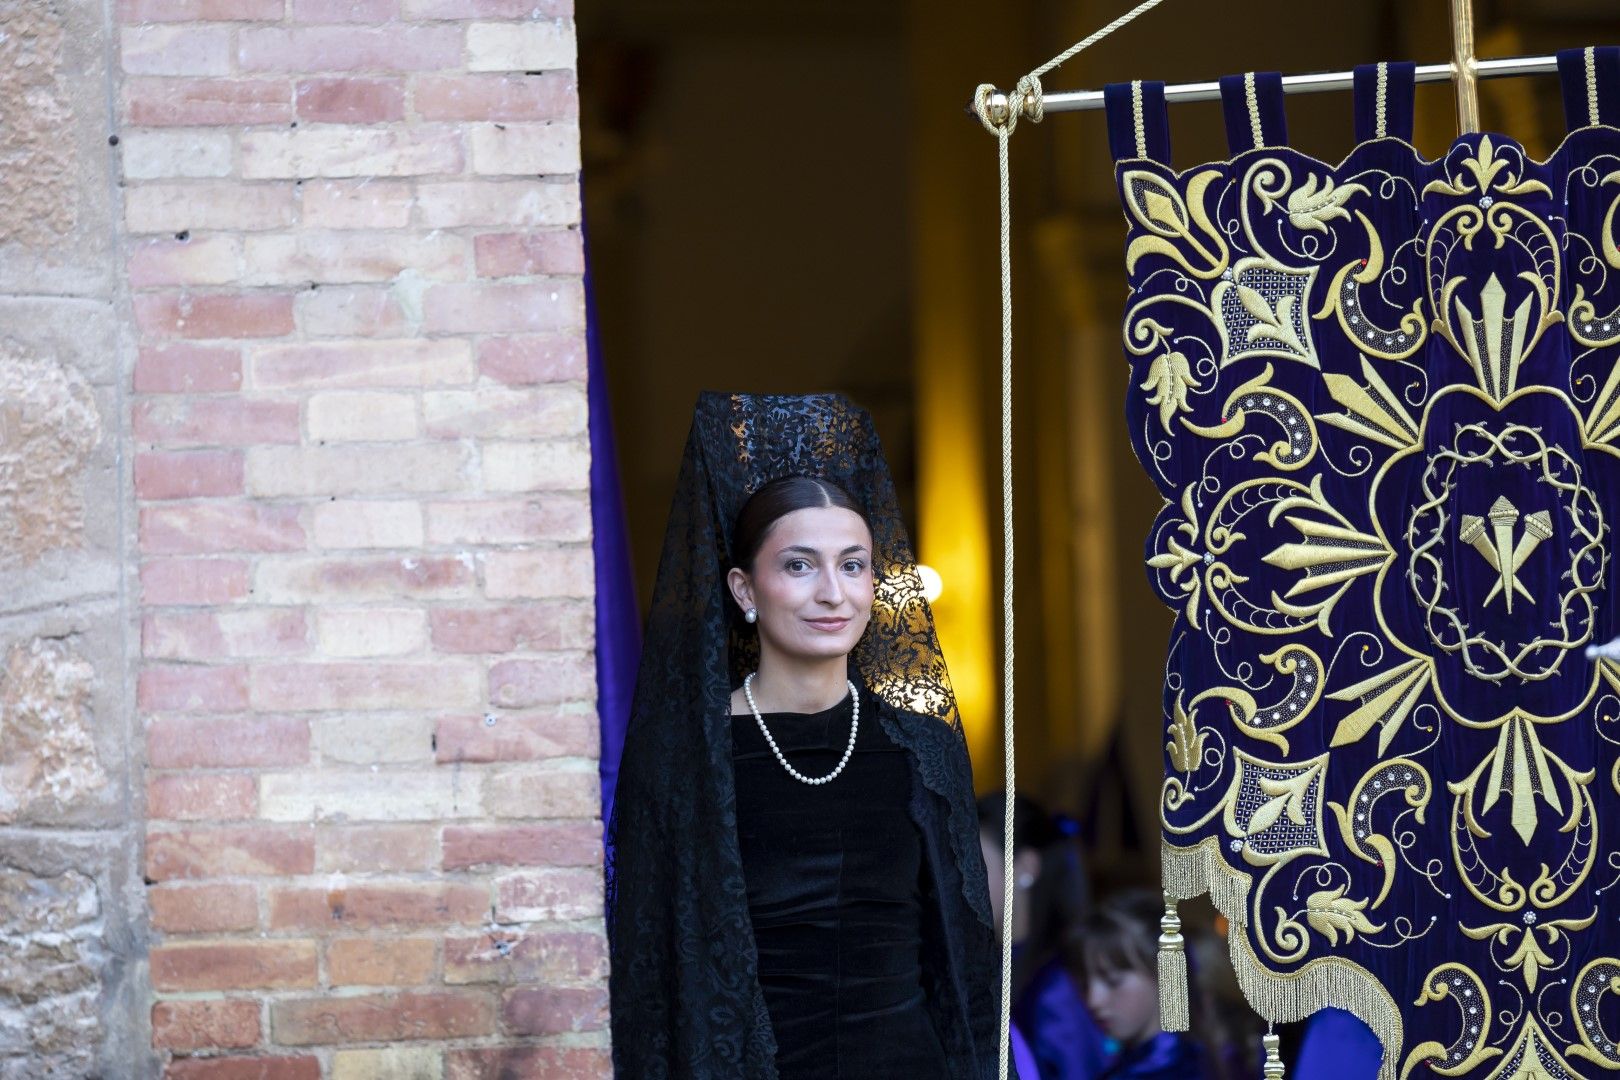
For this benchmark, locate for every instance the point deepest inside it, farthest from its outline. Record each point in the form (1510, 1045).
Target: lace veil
(685, 993)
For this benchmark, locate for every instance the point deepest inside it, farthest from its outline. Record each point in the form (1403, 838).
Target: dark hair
(775, 500)
(1058, 898)
(1121, 934)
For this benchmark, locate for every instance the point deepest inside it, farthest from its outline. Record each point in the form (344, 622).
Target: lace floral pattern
(686, 1000)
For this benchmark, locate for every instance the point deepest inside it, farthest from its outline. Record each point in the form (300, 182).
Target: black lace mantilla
(685, 992)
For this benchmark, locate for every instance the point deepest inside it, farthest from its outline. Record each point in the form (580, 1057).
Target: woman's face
(1124, 1002)
(811, 583)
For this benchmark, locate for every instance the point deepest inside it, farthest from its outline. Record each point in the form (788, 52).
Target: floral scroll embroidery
(1382, 402)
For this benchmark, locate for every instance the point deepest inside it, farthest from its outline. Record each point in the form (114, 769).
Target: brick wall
(357, 427)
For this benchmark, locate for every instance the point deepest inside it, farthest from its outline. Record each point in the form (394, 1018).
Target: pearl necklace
(854, 726)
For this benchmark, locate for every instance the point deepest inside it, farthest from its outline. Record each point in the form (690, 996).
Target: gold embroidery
(1159, 208)
(1470, 1049)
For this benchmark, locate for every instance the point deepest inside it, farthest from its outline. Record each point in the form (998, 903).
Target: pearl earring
(751, 615)
(1025, 880)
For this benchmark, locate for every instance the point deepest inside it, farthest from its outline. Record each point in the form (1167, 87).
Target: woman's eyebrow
(801, 549)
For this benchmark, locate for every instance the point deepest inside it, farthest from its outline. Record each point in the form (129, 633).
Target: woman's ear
(742, 590)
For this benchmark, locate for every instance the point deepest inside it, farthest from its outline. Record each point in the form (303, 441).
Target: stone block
(62, 748)
(56, 231)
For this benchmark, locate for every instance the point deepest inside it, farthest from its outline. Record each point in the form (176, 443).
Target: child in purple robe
(1049, 897)
(1117, 950)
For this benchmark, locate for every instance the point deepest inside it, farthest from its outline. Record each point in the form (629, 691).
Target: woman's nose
(829, 590)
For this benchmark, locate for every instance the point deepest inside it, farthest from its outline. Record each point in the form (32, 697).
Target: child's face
(1124, 1002)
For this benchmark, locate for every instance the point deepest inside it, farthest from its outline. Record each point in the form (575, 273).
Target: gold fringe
(1173, 1011)
(1273, 1069)
(1281, 998)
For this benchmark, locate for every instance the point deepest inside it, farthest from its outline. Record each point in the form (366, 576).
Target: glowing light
(932, 583)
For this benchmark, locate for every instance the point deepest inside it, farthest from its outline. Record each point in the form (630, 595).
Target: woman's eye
(797, 566)
(854, 566)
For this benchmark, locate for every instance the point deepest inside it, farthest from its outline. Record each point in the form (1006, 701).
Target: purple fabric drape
(618, 623)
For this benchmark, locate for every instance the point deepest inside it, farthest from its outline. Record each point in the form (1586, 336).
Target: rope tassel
(1273, 1069)
(1173, 1008)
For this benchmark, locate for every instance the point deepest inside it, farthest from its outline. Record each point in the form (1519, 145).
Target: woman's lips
(830, 625)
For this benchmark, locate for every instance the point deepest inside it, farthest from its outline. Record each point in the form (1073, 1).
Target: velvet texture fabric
(687, 1000)
(1063, 1038)
(836, 879)
(1166, 1056)
(1381, 399)
(1337, 1046)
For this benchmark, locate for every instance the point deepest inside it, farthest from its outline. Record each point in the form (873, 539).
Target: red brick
(336, 152)
(488, 9)
(554, 1010)
(516, 738)
(175, 50)
(185, 742)
(187, 369)
(364, 685)
(332, 580)
(232, 851)
(503, 309)
(353, 311)
(360, 849)
(533, 358)
(213, 421)
(142, 11)
(344, 11)
(209, 797)
(351, 101)
(540, 574)
(548, 894)
(366, 907)
(242, 1068)
(206, 102)
(187, 474)
(341, 258)
(506, 204)
(203, 909)
(346, 364)
(534, 627)
(193, 581)
(511, 957)
(205, 1025)
(387, 961)
(544, 680)
(522, 254)
(191, 688)
(542, 793)
(505, 412)
(570, 843)
(206, 635)
(380, 1018)
(557, 517)
(214, 260)
(529, 1063)
(172, 208)
(185, 315)
(549, 96)
(367, 203)
(205, 528)
(340, 48)
(234, 965)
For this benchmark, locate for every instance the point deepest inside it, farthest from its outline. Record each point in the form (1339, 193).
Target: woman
(1049, 899)
(795, 883)
(1117, 948)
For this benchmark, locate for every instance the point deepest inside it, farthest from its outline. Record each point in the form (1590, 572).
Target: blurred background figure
(1049, 900)
(1115, 950)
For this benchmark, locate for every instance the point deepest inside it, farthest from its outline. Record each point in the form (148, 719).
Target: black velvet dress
(835, 878)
